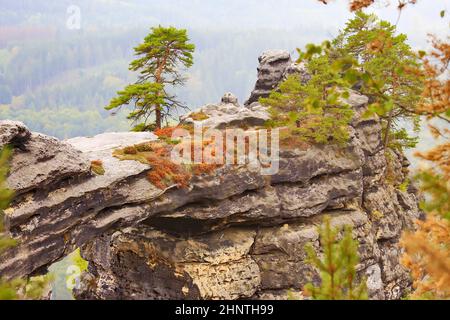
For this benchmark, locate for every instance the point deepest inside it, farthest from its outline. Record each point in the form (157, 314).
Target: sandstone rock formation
(232, 234)
(274, 66)
(229, 114)
(57, 196)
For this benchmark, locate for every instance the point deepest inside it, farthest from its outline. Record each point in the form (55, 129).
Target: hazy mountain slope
(54, 78)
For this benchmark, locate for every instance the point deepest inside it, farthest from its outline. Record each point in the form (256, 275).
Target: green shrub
(314, 111)
(337, 266)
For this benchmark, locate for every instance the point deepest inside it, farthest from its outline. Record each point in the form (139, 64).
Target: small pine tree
(390, 73)
(312, 111)
(427, 249)
(161, 55)
(337, 266)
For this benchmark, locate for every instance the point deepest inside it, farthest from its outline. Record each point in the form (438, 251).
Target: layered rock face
(233, 234)
(59, 202)
(274, 66)
(229, 114)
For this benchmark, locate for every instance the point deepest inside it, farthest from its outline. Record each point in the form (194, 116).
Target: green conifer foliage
(387, 71)
(367, 56)
(337, 266)
(313, 111)
(162, 55)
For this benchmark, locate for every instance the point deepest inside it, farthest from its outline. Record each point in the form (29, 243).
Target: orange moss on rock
(165, 173)
(130, 150)
(166, 132)
(204, 168)
(97, 162)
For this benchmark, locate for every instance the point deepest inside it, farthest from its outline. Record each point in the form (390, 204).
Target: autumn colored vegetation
(97, 167)
(164, 172)
(204, 157)
(427, 248)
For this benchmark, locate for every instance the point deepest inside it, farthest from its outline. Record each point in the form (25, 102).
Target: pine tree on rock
(390, 73)
(161, 57)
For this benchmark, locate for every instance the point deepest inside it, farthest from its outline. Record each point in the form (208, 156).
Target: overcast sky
(309, 15)
(310, 18)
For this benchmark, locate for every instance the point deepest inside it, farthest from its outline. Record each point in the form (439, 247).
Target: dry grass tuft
(199, 116)
(97, 167)
(130, 150)
(165, 173)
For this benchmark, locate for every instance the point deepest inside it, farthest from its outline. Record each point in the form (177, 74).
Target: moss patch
(199, 116)
(164, 172)
(377, 215)
(97, 167)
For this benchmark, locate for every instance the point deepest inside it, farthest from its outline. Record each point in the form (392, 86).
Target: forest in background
(60, 86)
(58, 81)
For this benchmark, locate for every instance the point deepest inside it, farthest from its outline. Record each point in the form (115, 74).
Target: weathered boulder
(39, 162)
(274, 217)
(229, 98)
(233, 263)
(213, 266)
(13, 132)
(42, 162)
(274, 66)
(59, 196)
(228, 114)
(49, 224)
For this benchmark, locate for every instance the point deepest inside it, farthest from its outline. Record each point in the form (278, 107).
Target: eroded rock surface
(58, 196)
(274, 66)
(231, 234)
(229, 114)
(39, 162)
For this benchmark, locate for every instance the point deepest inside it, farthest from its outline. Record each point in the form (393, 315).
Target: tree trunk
(158, 117)
(388, 129)
(159, 80)
(391, 113)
